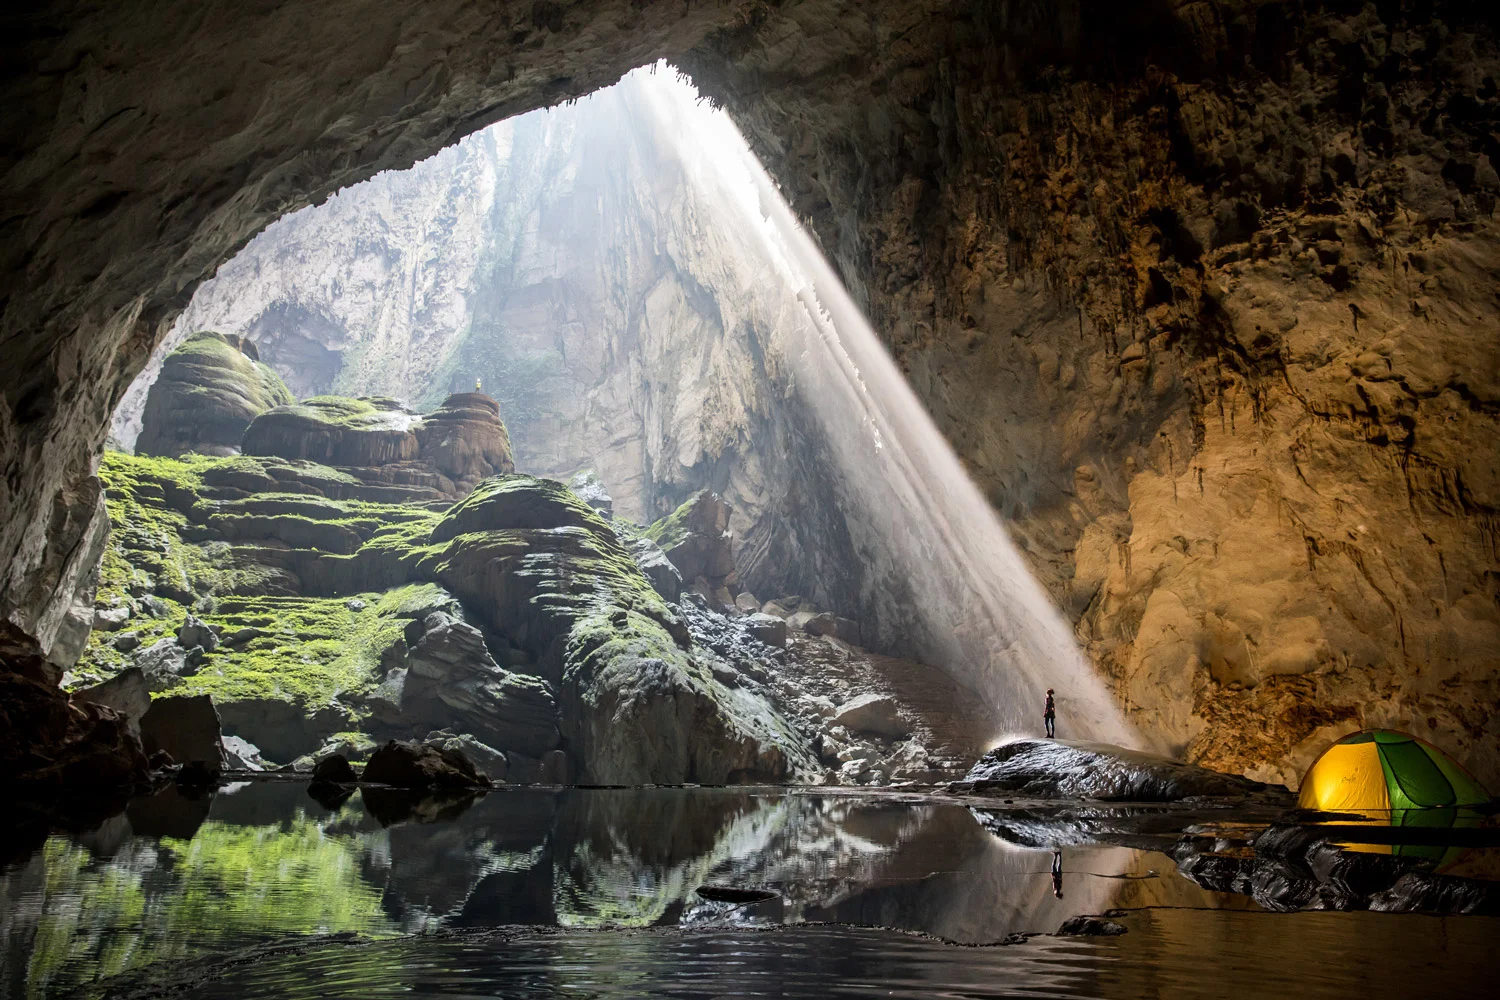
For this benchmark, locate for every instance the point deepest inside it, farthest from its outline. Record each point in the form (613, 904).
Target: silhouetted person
(1049, 715)
(1057, 873)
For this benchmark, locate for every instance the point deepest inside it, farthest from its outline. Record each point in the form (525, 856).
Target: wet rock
(554, 768)
(197, 774)
(767, 629)
(185, 726)
(413, 765)
(335, 768)
(242, 755)
(1425, 892)
(45, 741)
(1062, 769)
(871, 713)
(1090, 927)
(207, 394)
(487, 759)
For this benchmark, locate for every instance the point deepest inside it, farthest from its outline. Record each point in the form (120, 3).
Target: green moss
(317, 650)
(672, 530)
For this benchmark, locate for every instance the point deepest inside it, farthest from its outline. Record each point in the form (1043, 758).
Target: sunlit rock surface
(209, 391)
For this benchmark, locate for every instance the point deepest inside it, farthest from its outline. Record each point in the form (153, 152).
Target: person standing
(1049, 716)
(1057, 872)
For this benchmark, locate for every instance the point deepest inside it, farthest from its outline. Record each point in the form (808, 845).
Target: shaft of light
(977, 610)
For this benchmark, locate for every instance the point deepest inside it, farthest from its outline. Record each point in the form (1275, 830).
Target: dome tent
(1382, 769)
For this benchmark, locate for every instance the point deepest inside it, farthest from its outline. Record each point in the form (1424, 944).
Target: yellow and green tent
(1381, 770)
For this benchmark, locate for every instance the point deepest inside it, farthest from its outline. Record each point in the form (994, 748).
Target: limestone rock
(163, 663)
(767, 629)
(589, 488)
(336, 430)
(696, 538)
(1065, 769)
(871, 713)
(654, 563)
(487, 759)
(110, 619)
(335, 768)
(452, 679)
(747, 602)
(208, 392)
(127, 693)
(195, 632)
(185, 726)
(414, 765)
(242, 755)
(465, 439)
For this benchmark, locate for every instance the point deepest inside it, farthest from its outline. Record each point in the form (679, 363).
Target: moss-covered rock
(336, 430)
(516, 616)
(208, 392)
(696, 538)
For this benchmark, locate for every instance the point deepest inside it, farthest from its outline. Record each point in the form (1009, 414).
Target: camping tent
(1381, 769)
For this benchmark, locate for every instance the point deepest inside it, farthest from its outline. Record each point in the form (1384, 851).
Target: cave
(625, 475)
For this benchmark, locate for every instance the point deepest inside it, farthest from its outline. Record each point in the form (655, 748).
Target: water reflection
(178, 878)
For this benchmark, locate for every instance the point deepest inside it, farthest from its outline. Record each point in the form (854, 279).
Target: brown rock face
(465, 440)
(1202, 292)
(335, 430)
(209, 391)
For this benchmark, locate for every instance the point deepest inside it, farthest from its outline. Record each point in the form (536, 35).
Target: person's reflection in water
(1057, 873)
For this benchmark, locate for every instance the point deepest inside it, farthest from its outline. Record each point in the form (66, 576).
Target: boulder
(414, 765)
(1076, 770)
(195, 632)
(767, 629)
(110, 619)
(871, 713)
(336, 768)
(187, 727)
(163, 663)
(242, 755)
(696, 538)
(127, 693)
(46, 741)
(821, 623)
(125, 642)
(775, 609)
(589, 488)
(747, 602)
(486, 758)
(207, 394)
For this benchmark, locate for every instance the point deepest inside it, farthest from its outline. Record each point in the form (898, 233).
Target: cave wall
(1201, 291)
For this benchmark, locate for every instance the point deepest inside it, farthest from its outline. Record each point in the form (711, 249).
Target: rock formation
(208, 391)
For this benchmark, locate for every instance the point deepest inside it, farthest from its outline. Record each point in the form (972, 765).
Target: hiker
(1057, 872)
(1049, 716)
(476, 385)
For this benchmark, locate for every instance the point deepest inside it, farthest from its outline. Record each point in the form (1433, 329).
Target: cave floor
(261, 890)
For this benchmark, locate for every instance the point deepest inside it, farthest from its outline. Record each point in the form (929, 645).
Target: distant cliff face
(566, 262)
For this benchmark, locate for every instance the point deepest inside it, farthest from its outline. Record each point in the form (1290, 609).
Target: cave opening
(574, 505)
